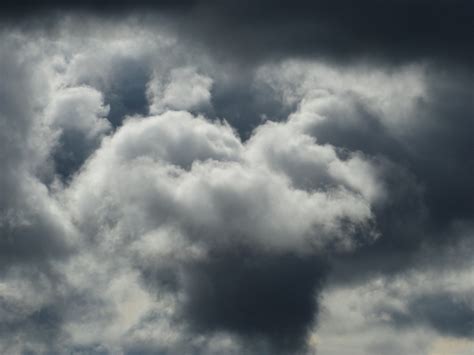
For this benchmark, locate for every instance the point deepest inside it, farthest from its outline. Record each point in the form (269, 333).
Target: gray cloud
(158, 197)
(397, 32)
(449, 314)
(33, 225)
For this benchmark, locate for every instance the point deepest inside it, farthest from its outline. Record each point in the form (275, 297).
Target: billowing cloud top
(210, 178)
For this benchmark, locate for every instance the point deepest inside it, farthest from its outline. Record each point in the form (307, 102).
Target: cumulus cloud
(221, 188)
(191, 217)
(79, 109)
(162, 196)
(180, 198)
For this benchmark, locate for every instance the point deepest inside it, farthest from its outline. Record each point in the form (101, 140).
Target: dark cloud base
(269, 297)
(395, 31)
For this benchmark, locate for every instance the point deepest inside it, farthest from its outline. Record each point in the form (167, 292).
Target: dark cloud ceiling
(393, 31)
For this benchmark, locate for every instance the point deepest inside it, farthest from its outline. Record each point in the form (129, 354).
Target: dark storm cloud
(437, 153)
(393, 31)
(342, 30)
(27, 8)
(269, 301)
(270, 298)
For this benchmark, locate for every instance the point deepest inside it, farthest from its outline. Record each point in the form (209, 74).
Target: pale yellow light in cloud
(452, 346)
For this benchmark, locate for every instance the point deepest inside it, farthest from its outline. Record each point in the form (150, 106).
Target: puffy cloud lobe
(329, 94)
(78, 116)
(311, 166)
(220, 188)
(117, 67)
(184, 90)
(79, 109)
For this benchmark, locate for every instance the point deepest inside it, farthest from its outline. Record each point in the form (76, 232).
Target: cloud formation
(163, 196)
(395, 32)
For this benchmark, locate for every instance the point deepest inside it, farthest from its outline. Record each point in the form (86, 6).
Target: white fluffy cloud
(79, 109)
(390, 96)
(185, 171)
(185, 89)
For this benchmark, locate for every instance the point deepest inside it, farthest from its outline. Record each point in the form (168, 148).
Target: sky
(251, 177)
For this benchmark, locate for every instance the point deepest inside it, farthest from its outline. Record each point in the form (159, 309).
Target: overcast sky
(237, 177)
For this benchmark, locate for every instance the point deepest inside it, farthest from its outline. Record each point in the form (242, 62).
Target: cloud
(193, 216)
(78, 116)
(222, 187)
(397, 32)
(161, 196)
(35, 230)
(450, 314)
(401, 117)
(30, 219)
(423, 308)
(186, 90)
(79, 109)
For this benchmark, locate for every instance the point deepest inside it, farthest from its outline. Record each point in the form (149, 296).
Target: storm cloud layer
(214, 178)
